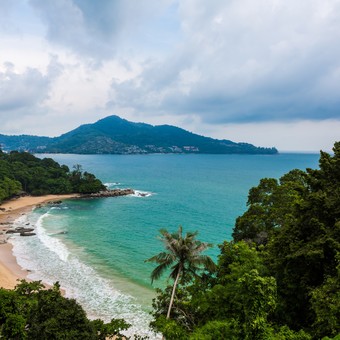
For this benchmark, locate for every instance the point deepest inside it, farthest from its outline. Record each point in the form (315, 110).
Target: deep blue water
(96, 248)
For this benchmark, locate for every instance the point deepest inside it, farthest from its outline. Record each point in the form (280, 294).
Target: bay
(96, 247)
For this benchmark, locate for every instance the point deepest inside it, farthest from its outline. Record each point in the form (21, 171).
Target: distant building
(191, 148)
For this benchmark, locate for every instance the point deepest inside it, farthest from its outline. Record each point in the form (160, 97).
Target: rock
(109, 193)
(27, 234)
(11, 231)
(23, 230)
(19, 230)
(55, 202)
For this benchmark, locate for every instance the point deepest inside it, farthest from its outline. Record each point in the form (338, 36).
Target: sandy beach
(10, 271)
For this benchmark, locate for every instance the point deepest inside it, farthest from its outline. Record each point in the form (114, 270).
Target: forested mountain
(114, 135)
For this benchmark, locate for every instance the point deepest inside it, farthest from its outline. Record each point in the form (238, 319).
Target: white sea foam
(48, 259)
(111, 185)
(58, 208)
(22, 220)
(53, 244)
(139, 193)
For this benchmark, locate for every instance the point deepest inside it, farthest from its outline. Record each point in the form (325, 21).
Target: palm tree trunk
(173, 292)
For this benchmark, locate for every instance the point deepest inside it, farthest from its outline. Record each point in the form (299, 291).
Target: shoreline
(11, 210)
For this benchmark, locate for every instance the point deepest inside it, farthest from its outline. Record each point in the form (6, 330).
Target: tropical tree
(182, 256)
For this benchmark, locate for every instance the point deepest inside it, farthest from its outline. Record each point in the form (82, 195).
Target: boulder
(27, 234)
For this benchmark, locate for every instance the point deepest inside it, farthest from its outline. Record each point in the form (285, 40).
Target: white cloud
(24, 90)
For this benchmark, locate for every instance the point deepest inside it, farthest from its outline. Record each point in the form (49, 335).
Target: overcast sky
(265, 72)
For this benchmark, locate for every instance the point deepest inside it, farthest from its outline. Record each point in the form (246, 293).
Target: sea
(96, 248)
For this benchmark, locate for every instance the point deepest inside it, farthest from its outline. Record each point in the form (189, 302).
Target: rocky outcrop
(22, 231)
(109, 193)
(27, 234)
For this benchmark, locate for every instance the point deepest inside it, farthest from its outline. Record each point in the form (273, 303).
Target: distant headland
(114, 135)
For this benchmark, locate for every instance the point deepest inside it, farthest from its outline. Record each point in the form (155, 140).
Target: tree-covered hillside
(280, 276)
(21, 172)
(114, 135)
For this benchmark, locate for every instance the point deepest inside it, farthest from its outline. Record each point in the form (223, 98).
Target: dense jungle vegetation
(21, 172)
(32, 312)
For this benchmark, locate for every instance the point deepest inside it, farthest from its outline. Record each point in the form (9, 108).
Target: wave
(63, 232)
(139, 193)
(53, 244)
(113, 184)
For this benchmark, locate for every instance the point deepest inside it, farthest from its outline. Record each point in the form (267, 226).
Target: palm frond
(183, 252)
(158, 271)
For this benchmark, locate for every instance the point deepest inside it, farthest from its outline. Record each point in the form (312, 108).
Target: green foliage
(32, 312)
(218, 330)
(337, 337)
(21, 171)
(298, 221)
(238, 258)
(258, 298)
(110, 330)
(9, 187)
(238, 301)
(285, 333)
(271, 205)
(325, 302)
(84, 182)
(170, 328)
(183, 255)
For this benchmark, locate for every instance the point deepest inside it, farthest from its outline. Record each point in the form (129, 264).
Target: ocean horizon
(96, 248)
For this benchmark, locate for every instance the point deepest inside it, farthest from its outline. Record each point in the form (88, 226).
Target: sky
(266, 72)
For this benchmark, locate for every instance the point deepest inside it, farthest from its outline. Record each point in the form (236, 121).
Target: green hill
(114, 135)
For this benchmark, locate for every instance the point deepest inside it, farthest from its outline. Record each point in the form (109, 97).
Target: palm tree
(183, 255)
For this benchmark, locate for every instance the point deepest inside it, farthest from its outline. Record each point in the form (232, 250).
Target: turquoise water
(96, 248)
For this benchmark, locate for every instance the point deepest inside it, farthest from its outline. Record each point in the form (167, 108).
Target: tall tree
(183, 256)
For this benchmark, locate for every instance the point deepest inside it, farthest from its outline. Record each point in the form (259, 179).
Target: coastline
(10, 271)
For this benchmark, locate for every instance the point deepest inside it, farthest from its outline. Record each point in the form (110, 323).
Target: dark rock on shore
(20, 230)
(109, 193)
(27, 234)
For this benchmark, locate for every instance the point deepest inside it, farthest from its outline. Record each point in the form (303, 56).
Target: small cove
(96, 247)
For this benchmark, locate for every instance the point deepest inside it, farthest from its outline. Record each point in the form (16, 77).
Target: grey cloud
(96, 29)
(21, 90)
(263, 61)
(22, 93)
